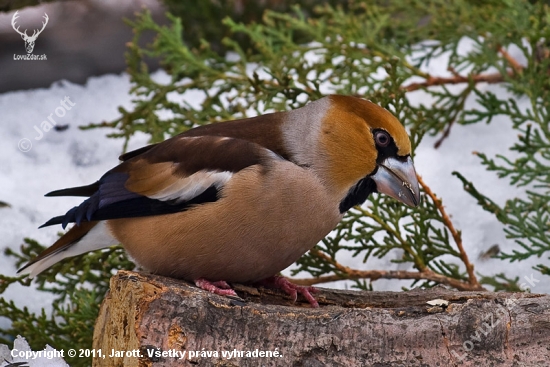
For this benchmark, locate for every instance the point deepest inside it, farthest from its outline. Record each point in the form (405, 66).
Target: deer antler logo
(29, 40)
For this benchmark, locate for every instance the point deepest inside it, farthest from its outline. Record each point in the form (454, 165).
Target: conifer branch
(491, 78)
(347, 273)
(456, 234)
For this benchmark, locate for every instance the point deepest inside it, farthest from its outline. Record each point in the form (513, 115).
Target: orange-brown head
(353, 145)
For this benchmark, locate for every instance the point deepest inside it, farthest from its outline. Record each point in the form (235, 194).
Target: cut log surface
(148, 320)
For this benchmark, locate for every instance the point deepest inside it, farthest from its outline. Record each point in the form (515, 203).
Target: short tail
(86, 237)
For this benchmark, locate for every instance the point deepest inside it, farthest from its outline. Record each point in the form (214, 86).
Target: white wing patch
(189, 187)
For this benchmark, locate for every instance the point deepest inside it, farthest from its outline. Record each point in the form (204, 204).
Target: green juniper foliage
(78, 286)
(372, 49)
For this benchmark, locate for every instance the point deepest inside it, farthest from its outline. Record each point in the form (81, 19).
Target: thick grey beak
(398, 180)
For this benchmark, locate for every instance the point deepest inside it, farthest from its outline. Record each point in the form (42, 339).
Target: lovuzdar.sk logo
(29, 40)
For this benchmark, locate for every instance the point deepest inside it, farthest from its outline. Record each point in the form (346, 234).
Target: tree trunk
(144, 316)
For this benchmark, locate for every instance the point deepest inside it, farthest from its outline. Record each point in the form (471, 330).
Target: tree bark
(145, 315)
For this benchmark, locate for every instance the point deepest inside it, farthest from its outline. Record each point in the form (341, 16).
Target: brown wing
(169, 177)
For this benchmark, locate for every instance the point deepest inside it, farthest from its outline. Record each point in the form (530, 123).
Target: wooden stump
(149, 320)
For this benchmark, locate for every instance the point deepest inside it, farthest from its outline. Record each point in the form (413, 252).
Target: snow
(21, 352)
(74, 157)
(59, 159)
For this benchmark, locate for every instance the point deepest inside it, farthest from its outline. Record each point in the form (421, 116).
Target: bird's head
(357, 147)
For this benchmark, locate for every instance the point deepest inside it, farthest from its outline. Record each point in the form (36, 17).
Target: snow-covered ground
(59, 159)
(22, 352)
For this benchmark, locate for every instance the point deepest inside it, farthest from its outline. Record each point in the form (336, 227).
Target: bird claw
(221, 284)
(292, 289)
(220, 287)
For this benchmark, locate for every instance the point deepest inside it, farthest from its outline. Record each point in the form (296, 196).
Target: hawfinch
(240, 201)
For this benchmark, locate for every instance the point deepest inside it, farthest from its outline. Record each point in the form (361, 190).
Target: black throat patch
(357, 194)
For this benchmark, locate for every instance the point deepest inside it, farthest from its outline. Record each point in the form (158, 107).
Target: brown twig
(432, 81)
(456, 235)
(458, 79)
(347, 273)
(445, 134)
(513, 62)
(453, 118)
(391, 274)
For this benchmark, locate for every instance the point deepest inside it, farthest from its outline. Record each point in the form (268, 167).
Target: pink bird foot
(221, 287)
(279, 282)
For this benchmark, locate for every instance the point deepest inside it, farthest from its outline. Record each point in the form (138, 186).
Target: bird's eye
(382, 138)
